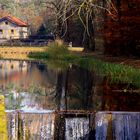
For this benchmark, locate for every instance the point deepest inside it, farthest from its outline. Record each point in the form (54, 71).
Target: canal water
(47, 102)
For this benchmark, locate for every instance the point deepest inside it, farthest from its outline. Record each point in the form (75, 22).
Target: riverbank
(21, 53)
(18, 52)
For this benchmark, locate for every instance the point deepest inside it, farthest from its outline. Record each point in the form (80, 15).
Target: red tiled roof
(14, 20)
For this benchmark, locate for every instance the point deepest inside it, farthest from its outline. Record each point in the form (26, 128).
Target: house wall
(17, 33)
(23, 32)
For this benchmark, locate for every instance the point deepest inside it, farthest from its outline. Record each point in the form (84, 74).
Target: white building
(13, 28)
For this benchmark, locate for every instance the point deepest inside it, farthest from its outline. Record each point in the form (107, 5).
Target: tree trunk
(99, 27)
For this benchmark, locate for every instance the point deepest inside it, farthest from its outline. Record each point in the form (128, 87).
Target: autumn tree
(122, 35)
(28, 10)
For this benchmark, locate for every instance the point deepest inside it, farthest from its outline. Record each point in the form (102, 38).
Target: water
(35, 126)
(12, 118)
(76, 128)
(37, 86)
(36, 93)
(43, 126)
(117, 126)
(26, 84)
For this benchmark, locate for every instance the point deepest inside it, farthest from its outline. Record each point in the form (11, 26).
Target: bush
(57, 50)
(38, 55)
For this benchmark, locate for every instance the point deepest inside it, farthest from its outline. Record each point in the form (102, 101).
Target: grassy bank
(18, 52)
(117, 73)
(64, 58)
(22, 52)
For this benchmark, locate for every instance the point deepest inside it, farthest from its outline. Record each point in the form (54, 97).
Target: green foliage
(57, 50)
(36, 90)
(31, 11)
(58, 65)
(59, 56)
(117, 73)
(12, 102)
(39, 55)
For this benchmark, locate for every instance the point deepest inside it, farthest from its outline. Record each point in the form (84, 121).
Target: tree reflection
(73, 86)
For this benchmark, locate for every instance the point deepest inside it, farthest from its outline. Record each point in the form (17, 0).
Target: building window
(12, 31)
(6, 22)
(1, 31)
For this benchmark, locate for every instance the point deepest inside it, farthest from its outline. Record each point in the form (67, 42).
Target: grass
(22, 52)
(55, 51)
(18, 52)
(61, 57)
(38, 55)
(117, 73)
(76, 49)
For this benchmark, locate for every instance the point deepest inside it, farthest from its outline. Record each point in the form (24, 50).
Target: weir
(76, 128)
(117, 126)
(12, 125)
(30, 126)
(42, 126)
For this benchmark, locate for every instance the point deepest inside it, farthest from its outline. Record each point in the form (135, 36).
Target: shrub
(38, 55)
(57, 50)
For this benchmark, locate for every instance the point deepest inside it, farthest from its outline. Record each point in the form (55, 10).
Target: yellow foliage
(3, 120)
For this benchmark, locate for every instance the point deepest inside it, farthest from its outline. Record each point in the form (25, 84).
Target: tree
(122, 35)
(28, 10)
(88, 12)
(42, 31)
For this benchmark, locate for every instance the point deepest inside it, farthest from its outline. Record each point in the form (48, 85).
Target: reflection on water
(36, 86)
(39, 98)
(26, 84)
